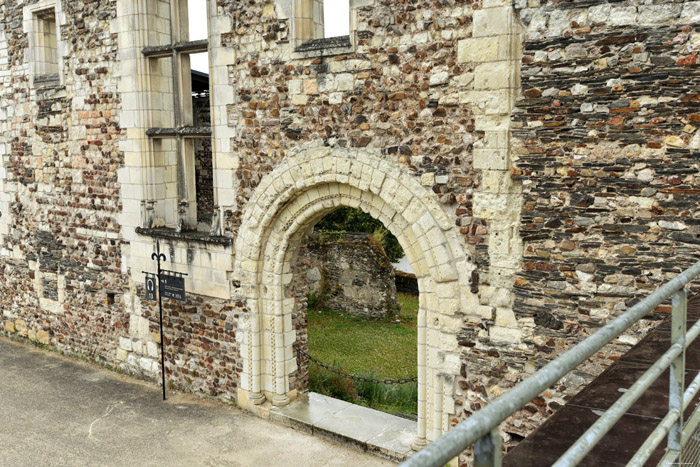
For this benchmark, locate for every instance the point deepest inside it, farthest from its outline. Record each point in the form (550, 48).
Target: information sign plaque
(172, 286)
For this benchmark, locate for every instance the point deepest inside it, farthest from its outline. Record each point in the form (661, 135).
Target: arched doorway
(304, 188)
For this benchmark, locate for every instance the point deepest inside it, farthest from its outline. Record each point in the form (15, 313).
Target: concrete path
(55, 411)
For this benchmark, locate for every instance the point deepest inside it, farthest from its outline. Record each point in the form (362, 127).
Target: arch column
(291, 199)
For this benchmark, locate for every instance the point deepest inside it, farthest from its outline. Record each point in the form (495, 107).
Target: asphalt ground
(58, 411)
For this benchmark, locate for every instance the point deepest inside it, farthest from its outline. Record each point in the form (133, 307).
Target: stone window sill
(188, 236)
(47, 80)
(325, 47)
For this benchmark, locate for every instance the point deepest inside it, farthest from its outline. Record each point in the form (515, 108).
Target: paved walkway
(544, 446)
(55, 411)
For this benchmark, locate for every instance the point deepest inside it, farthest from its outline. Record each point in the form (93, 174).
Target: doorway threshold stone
(365, 429)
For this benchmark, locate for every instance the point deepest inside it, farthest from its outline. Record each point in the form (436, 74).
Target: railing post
(487, 449)
(677, 369)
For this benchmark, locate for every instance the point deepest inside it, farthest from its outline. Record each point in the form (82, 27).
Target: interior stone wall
(349, 272)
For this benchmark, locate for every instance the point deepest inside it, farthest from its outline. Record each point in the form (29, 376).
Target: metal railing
(481, 429)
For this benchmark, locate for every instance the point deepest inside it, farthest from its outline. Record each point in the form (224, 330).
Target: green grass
(408, 305)
(360, 346)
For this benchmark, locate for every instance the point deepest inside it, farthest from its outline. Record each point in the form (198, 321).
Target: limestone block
(132, 360)
(10, 326)
(310, 86)
(345, 82)
(672, 225)
(463, 80)
(43, 337)
(659, 14)
(122, 355)
(495, 206)
(487, 158)
(599, 13)
(505, 318)
(493, 75)
(496, 181)
(491, 21)
(491, 102)
(299, 99)
(146, 364)
(439, 75)
(152, 349)
(690, 12)
(137, 347)
(479, 49)
(125, 343)
(623, 16)
(501, 335)
(642, 202)
(492, 123)
(21, 327)
(486, 312)
(138, 327)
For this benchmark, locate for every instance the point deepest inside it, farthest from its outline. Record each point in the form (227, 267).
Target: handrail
(480, 426)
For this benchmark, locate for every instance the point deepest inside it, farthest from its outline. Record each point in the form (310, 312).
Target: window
(181, 119)
(44, 45)
(322, 26)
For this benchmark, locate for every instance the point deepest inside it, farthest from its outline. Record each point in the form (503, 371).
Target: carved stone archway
(298, 193)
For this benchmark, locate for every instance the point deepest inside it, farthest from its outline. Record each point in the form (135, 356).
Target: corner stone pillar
(494, 51)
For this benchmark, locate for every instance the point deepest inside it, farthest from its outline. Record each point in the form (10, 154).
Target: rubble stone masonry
(537, 160)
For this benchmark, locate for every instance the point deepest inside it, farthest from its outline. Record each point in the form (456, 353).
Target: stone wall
(349, 273)
(203, 161)
(606, 147)
(61, 255)
(396, 93)
(538, 161)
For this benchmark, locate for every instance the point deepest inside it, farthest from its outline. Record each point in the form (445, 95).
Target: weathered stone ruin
(538, 162)
(348, 272)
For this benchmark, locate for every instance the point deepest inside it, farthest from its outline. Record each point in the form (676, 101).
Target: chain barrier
(361, 379)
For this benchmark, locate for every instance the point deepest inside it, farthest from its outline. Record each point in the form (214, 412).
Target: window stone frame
(302, 16)
(30, 27)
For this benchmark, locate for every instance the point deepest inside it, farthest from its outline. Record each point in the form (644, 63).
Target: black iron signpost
(171, 284)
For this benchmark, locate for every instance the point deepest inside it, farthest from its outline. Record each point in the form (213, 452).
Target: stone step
(363, 428)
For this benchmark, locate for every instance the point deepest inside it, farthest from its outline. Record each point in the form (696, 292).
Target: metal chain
(354, 377)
